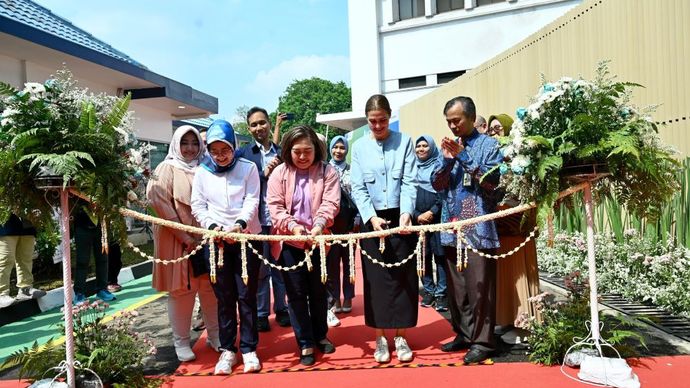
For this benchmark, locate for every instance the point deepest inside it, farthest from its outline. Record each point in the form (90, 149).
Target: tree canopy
(239, 123)
(309, 97)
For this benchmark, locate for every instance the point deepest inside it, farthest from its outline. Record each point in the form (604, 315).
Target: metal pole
(66, 282)
(593, 294)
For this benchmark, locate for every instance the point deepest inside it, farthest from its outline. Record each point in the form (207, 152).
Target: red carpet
(352, 365)
(666, 372)
(354, 343)
(659, 372)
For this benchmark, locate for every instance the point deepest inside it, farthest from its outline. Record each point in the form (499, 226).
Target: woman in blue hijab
(428, 211)
(343, 223)
(225, 197)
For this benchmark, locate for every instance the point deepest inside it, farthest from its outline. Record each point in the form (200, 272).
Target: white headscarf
(175, 157)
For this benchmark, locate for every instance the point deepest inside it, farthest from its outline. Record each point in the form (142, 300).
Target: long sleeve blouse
(224, 198)
(384, 174)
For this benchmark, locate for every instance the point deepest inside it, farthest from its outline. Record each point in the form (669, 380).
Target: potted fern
(57, 133)
(574, 126)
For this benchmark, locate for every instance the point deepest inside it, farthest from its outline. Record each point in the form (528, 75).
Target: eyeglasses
(495, 129)
(224, 152)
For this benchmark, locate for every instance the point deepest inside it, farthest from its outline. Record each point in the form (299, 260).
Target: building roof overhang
(19, 40)
(343, 120)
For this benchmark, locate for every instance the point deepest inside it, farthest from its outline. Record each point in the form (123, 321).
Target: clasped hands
(451, 148)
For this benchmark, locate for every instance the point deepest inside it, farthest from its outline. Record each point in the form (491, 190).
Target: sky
(244, 52)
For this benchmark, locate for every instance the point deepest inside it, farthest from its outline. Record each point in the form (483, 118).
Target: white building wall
(384, 50)
(11, 71)
(150, 124)
(365, 59)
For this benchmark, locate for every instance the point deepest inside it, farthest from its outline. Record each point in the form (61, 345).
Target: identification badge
(466, 179)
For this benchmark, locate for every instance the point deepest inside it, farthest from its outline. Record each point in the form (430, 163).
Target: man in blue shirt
(468, 156)
(262, 153)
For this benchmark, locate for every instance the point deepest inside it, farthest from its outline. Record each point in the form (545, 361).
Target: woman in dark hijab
(428, 211)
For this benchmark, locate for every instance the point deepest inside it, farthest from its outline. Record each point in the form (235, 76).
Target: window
(158, 154)
(487, 2)
(412, 82)
(408, 9)
(443, 78)
(449, 5)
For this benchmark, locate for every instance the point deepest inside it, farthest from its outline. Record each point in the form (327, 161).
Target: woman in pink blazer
(303, 198)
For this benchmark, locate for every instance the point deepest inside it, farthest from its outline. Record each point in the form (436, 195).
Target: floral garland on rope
(352, 239)
(419, 251)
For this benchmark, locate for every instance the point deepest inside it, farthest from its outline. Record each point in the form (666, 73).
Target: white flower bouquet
(574, 123)
(85, 139)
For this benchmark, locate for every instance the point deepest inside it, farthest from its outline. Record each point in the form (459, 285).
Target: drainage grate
(662, 319)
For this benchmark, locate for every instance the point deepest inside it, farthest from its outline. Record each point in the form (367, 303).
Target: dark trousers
(439, 288)
(472, 298)
(269, 279)
(339, 254)
(306, 297)
(234, 295)
(114, 262)
(87, 239)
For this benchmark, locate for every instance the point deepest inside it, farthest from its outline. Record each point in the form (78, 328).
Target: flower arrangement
(574, 122)
(113, 350)
(59, 129)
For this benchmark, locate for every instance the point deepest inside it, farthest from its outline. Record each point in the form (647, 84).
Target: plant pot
(47, 180)
(578, 173)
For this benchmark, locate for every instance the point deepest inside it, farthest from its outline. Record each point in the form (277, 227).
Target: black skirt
(391, 295)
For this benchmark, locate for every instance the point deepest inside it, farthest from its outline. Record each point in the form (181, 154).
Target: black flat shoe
(283, 318)
(326, 347)
(262, 324)
(476, 355)
(454, 346)
(307, 359)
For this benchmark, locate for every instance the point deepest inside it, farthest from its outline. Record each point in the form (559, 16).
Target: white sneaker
(185, 353)
(5, 301)
(402, 350)
(331, 319)
(225, 363)
(381, 354)
(251, 362)
(26, 293)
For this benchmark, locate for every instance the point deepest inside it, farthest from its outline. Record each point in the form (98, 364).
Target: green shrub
(564, 322)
